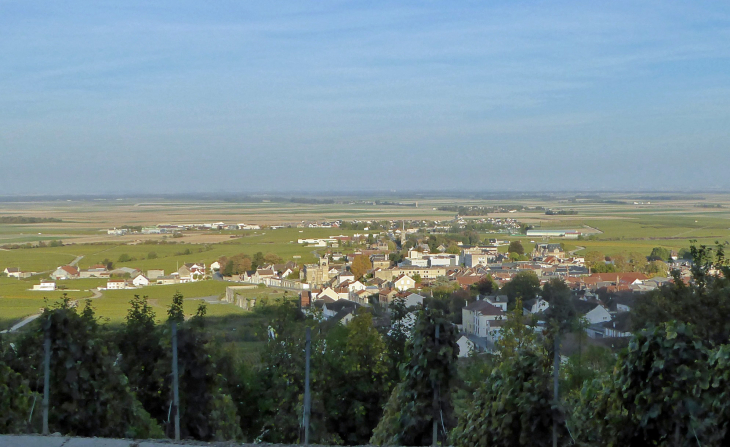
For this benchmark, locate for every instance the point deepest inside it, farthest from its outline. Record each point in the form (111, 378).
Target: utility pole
(307, 393)
(434, 436)
(175, 393)
(46, 376)
(556, 369)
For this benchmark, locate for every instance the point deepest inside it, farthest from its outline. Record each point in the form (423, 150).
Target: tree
(685, 253)
(282, 377)
(705, 304)
(206, 413)
(587, 366)
(457, 301)
(152, 255)
(142, 353)
(486, 285)
(524, 284)
(657, 268)
(89, 394)
(396, 337)
(594, 259)
(516, 247)
(637, 262)
(396, 257)
(271, 258)
(453, 249)
(124, 257)
(660, 254)
(662, 394)
(16, 400)
(620, 262)
(518, 333)
(353, 380)
(240, 264)
(512, 408)
(258, 260)
(360, 266)
(410, 411)
(561, 317)
(561, 313)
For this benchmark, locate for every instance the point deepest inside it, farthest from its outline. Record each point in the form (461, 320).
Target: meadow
(626, 223)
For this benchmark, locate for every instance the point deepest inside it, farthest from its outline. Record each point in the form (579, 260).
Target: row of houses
(123, 277)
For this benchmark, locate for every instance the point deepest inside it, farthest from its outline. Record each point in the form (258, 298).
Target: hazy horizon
(181, 97)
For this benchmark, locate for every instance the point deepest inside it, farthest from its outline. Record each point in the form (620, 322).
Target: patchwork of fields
(627, 223)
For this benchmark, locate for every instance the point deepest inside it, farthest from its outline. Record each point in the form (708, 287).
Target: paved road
(76, 261)
(96, 292)
(20, 325)
(577, 249)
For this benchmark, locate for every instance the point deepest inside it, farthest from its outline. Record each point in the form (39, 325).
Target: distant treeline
(598, 200)
(561, 212)
(27, 220)
(387, 203)
(708, 205)
(259, 199)
(40, 244)
(468, 210)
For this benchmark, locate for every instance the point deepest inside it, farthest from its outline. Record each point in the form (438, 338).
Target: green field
(17, 301)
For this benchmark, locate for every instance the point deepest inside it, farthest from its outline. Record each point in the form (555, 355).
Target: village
(385, 264)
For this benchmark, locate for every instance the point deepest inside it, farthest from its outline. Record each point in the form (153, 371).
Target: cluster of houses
(122, 277)
(331, 287)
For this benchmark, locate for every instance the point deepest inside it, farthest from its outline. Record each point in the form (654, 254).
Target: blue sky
(177, 96)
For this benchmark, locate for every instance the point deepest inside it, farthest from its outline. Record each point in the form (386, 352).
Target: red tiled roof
(70, 269)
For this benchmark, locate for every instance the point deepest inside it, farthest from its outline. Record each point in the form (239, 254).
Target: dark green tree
(516, 247)
(525, 285)
(664, 392)
(89, 394)
(206, 413)
(397, 336)
(282, 379)
(513, 407)
(660, 254)
(705, 304)
(143, 358)
(486, 285)
(258, 260)
(353, 381)
(425, 391)
(16, 401)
